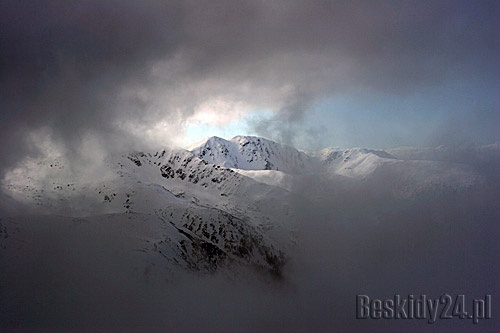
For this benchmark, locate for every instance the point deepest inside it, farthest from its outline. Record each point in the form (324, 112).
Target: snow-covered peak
(354, 162)
(252, 153)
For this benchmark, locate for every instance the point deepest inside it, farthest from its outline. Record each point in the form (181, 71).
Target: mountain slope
(213, 213)
(224, 202)
(354, 163)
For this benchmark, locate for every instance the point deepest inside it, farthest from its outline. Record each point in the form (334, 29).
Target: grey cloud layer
(84, 67)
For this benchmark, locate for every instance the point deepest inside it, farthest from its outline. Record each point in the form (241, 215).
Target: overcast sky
(80, 76)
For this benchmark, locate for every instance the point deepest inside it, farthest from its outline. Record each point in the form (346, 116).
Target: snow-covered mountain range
(141, 223)
(221, 201)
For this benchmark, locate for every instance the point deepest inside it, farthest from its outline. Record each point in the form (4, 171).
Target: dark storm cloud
(84, 67)
(63, 63)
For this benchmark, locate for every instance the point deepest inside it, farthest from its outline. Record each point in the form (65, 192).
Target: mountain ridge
(246, 187)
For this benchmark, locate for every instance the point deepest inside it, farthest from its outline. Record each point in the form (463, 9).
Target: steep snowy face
(253, 153)
(183, 168)
(206, 239)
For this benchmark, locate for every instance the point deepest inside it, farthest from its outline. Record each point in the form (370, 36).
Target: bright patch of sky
(201, 127)
(430, 116)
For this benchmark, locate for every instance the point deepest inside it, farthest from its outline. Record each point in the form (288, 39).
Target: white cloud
(219, 112)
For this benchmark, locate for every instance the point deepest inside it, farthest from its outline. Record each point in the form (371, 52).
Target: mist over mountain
(246, 234)
(107, 225)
